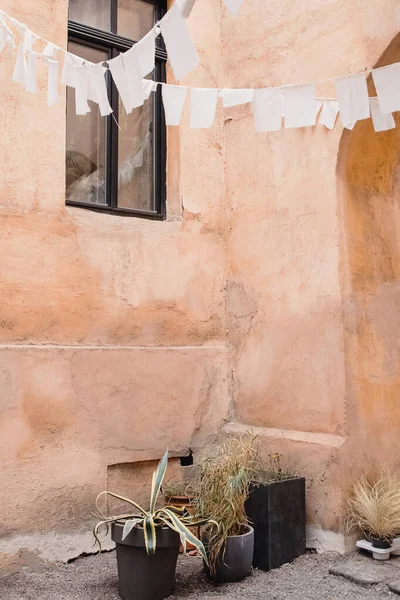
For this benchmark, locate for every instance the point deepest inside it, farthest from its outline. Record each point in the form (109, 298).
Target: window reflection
(86, 143)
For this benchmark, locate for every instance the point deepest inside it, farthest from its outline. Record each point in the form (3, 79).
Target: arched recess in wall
(369, 200)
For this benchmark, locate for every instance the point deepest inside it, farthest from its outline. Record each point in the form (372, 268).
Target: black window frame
(113, 44)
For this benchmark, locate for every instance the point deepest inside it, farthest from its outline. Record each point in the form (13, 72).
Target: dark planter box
(277, 511)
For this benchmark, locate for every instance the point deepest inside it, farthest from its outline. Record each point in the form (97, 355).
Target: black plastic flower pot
(277, 512)
(379, 543)
(235, 563)
(144, 577)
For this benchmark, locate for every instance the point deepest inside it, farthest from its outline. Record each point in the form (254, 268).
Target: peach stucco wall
(121, 336)
(112, 329)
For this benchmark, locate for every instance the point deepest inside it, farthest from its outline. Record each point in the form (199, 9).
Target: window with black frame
(116, 163)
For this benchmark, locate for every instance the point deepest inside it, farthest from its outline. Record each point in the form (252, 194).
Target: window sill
(122, 212)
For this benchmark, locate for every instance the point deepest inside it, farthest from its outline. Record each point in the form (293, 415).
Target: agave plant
(177, 519)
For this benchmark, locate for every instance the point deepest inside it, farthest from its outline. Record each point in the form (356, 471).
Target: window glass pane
(95, 13)
(135, 158)
(135, 18)
(86, 143)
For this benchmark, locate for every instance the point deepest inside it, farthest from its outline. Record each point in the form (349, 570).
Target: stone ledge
(321, 439)
(52, 546)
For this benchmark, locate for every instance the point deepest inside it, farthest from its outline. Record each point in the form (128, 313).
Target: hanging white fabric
(128, 80)
(235, 97)
(300, 105)
(329, 113)
(81, 90)
(233, 6)
(267, 109)
(350, 125)
(20, 28)
(381, 122)
(142, 55)
(148, 87)
(387, 85)
(50, 51)
(117, 70)
(19, 74)
(3, 37)
(68, 76)
(174, 100)
(203, 104)
(30, 39)
(52, 82)
(180, 49)
(30, 80)
(352, 94)
(134, 80)
(97, 86)
(6, 37)
(185, 7)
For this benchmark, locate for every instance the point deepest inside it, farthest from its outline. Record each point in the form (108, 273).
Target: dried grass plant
(374, 505)
(222, 491)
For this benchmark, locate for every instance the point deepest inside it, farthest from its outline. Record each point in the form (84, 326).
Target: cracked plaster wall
(112, 329)
(297, 242)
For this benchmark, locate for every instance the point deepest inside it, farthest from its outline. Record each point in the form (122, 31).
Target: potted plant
(276, 509)
(222, 491)
(374, 507)
(148, 541)
(178, 494)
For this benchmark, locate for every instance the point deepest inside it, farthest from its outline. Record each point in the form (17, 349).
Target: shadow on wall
(369, 188)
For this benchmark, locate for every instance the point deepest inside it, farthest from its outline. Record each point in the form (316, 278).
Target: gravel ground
(95, 578)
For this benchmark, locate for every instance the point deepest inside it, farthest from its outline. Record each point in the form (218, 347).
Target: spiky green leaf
(129, 525)
(178, 510)
(127, 500)
(149, 534)
(188, 535)
(158, 477)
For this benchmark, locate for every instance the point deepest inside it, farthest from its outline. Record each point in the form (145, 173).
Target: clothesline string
(367, 71)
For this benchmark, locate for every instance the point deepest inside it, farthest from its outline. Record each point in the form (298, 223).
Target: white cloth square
(7, 36)
(81, 90)
(180, 49)
(300, 108)
(174, 100)
(143, 53)
(30, 81)
(98, 89)
(352, 93)
(382, 122)
(148, 87)
(19, 74)
(20, 28)
(134, 80)
(68, 75)
(267, 109)
(127, 78)
(30, 39)
(52, 82)
(185, 7)
(387, 85)
(3, 37)
(117, 70)
(233, 6)
(329, 113)
(231, 97)
(203, 104)
(50, 51)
